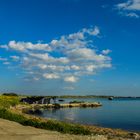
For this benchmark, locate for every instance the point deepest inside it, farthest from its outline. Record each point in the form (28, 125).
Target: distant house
(38, 100)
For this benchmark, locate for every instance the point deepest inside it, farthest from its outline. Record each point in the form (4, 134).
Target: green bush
(9, 94)
(7, 101)
(75, 101)
(56, 105)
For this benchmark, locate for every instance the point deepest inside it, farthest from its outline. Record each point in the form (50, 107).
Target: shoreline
(110, 133)
(64, 105)
(72, 96)
(97, 96)
(12, 109)
(14, 131)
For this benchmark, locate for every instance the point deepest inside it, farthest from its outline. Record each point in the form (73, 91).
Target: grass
(48, 125)
(7, 101)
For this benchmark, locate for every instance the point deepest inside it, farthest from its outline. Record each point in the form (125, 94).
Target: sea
(121, 113)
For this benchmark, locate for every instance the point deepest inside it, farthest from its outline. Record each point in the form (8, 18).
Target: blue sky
(80, 47)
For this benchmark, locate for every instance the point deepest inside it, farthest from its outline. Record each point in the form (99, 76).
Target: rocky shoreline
(38, 108)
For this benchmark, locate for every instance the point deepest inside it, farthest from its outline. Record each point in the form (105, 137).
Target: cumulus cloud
(26, 46)
(51, 76)
(71, 79)
(68, 57)
(92, 31)
(106, 52)
(130, 5)
(129, 8)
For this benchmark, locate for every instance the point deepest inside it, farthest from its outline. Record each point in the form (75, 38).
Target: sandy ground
(13, 131)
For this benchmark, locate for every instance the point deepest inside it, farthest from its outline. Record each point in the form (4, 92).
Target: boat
(110, 98)
(61, 100)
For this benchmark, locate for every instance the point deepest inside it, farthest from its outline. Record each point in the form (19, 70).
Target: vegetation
(10, 94)
(7, 101)
(94, 96)
(49, 124)
(76, 102)
(56, 106)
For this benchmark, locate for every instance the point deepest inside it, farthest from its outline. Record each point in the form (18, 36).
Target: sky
(74, 47)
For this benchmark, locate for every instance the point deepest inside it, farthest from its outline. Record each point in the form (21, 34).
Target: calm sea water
(118, 113)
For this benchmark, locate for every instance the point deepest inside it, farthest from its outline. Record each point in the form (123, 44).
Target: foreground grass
(48, 125)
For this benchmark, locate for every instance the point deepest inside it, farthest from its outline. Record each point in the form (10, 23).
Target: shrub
(7, 101)
(75, 101)
(56, 105)
(9, 94)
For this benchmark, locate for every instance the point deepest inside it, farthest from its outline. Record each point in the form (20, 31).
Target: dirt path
(14, 131)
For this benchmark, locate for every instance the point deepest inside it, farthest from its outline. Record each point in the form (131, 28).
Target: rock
(136, 136)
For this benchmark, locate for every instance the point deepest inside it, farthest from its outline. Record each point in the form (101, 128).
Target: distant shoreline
(73, 96)
(96, 96)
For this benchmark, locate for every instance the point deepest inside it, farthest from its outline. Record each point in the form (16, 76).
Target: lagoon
(119, 113)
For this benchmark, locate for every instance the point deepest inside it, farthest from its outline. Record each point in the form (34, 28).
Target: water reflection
(121, 113)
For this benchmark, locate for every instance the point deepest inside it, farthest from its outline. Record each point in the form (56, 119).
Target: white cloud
(36, 78)
(6, 63)
(85, 54)
(26, 46)
(71, 79)
(51, 76)
(42, 66)
(75, 67)
(105, 52)
(90, 68)
(130, 5)
(133, 15)
(46, 57)
(129, 8)
(3, 59)
(68, 57)
(92, 31)
(4, 47)
(78, 35)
